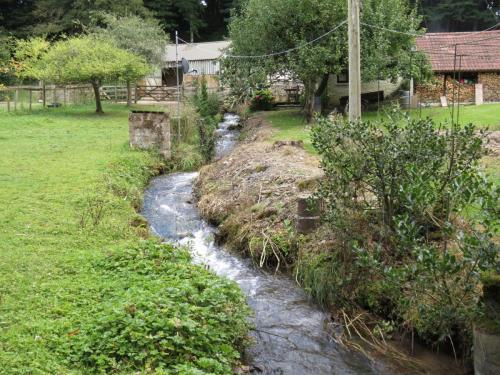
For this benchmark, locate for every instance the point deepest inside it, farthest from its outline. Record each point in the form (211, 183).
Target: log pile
(491, 86)
(431, 92)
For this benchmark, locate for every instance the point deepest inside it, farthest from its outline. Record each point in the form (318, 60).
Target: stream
(289, 330)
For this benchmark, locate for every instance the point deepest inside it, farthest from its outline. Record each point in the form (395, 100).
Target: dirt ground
(251, 193)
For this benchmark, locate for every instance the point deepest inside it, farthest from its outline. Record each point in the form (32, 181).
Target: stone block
(150, 130)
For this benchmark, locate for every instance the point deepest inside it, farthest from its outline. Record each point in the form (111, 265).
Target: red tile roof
(480, 51)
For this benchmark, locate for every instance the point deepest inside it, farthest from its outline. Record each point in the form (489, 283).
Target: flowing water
(289, 336)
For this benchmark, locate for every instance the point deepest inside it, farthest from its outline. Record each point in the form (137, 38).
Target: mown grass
(291, 125)
(57, 168)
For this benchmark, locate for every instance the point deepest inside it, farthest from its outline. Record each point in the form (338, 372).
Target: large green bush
(182, 318)
(414, 219)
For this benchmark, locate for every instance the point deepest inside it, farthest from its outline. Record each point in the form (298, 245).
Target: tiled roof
(479, 51)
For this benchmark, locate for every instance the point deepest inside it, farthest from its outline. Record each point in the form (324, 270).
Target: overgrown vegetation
(208, 106)
(81, 292)
(413, 221)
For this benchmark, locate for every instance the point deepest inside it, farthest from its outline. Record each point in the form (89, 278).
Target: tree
(182, 15)
(265, 27)
(71, 16)
(460, 15)
(78, 60)
(141, 36)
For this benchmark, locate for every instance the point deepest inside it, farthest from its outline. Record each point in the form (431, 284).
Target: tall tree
(265, 27)
(71, 16)
(78, 60)
(141, 36)
(460, 15)
(182, 15)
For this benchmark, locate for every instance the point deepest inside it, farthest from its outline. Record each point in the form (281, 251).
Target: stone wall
(150, 130)
(491, 86)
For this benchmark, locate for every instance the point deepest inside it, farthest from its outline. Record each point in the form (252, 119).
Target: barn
(203, 60)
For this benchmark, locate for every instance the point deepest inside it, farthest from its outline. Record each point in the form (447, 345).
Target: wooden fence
(15, 98)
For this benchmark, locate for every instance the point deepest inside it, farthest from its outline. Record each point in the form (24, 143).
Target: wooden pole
(43, 95)
(31, 97)
(16, 98)
(8, 101)
(178, 86)
(354, 61)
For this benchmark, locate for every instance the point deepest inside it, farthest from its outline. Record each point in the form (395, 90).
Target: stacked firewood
(432, 92)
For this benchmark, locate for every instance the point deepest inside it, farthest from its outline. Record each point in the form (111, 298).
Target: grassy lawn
(484, 116)
(290, 125)
(62, 296)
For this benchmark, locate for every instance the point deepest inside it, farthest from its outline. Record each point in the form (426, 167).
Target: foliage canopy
(79, 60)
(265, 27)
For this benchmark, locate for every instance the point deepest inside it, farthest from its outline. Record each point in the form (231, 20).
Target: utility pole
(354, 61)
(178, 86)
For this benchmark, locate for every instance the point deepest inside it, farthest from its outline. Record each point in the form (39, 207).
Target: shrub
(208, 106)
(414, 219)
(183, 318)
(263, 100)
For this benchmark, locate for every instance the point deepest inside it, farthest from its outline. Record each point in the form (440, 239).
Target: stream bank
(251, 194)
(289, 335)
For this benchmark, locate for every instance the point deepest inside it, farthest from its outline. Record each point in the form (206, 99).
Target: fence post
(64, 95)
(31, 97)
(16, 96)
(8, 102)
(135, 94)
(43, 95)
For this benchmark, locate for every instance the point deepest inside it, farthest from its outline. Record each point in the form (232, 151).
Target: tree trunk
(309, 100)
(97, 94)
(312, 91)
(129, 94)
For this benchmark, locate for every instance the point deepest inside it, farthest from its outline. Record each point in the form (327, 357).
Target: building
(469, 58)
(371, 92)
(203, 59)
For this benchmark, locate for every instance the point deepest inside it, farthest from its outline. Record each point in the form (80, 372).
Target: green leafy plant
(208, 106)
(263, 100)
(183, 317)
(414, 219)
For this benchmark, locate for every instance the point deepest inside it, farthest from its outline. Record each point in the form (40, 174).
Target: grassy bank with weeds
(83, 288)
(414, 272)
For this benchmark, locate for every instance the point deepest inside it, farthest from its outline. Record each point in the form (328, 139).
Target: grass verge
(80, 290)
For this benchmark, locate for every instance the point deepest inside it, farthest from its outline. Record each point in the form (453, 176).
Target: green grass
(484, 116)
(54, 290)
(291, 126)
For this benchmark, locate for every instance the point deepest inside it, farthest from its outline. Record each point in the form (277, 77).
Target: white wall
(339, 90)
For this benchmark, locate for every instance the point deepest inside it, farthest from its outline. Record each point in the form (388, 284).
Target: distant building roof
(197, 51)
(480, 51)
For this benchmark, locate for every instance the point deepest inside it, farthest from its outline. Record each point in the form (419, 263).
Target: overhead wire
(272, 54)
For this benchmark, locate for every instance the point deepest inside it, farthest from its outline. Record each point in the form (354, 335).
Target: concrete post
(479, 94)
(149, 130)
(308, 215)
(487, 331)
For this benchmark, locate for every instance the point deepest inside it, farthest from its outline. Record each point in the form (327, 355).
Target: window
(343, 77)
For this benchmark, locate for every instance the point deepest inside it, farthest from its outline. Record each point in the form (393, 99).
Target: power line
(273, 53)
